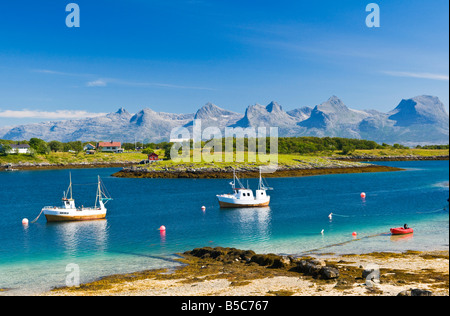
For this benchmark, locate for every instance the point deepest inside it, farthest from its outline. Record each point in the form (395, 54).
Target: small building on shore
(89, 147)
(18, 149)
(112, 147)
(153, 157)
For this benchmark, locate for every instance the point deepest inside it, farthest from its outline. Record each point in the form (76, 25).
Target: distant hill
(420, 120)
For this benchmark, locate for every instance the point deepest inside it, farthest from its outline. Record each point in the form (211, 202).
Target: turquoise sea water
(34, 258)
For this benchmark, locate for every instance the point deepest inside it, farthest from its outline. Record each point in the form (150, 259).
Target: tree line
(311, 144)
(286, 145)
(39, 146)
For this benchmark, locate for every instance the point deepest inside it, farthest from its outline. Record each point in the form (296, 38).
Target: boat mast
(233, 184)
(260, 186)
(70, 186)
(98, 195)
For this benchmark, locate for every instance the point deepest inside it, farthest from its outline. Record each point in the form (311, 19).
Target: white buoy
(323, 230)
(25, 221)
(203, 208)
(330, 216)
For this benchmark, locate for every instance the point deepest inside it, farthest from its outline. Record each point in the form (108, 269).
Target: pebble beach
(409, 274)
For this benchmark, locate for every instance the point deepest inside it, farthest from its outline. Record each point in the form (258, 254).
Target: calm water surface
(33, 258)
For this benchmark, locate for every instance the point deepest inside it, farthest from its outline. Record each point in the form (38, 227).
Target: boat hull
(401, 231)
(229, 201)
(233, 205)
(63, 215)
(61, 218)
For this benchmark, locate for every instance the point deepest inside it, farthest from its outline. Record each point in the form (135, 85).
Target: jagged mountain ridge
(419, 120)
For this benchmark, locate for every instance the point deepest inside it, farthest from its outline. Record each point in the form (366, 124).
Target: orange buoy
(25, 221)
(354, 234)
(363, 195)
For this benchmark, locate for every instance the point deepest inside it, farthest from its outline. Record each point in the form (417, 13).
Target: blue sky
(177, 55)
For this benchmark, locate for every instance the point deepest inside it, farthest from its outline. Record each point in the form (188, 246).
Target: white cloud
(97, 83)
(105, 81)
(59, 114)
(419, 75)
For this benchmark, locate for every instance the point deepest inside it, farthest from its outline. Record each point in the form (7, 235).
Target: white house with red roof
(112, 147)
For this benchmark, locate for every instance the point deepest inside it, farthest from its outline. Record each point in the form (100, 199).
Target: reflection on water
(77, 236)
(442, 184)
(401, 238)
(252, 222)
(162, 234)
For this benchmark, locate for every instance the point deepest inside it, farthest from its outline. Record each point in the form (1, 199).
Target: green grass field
(317, 159)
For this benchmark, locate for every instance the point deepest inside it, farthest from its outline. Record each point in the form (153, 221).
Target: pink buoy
(354, 234)
(25, 221)
(363, 195)
(162, 228)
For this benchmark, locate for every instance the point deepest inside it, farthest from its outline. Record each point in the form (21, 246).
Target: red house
(153, 157)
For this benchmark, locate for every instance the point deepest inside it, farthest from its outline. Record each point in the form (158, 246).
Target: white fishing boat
(69, 212)
(244, 197)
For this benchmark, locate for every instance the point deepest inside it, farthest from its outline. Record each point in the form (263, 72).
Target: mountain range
(417, 121)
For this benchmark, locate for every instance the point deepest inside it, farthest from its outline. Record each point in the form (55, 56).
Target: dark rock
(328, 273)
(310, 267)
(271, 260)
(415, 292)
(226, 255)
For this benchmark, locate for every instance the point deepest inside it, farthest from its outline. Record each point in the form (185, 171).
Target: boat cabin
(244, 194)
(260, 194)
(68, 203)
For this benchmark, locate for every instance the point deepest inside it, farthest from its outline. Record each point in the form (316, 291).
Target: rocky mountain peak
(419, 120)
(422, 109)
(333, 104)
(274, 107)
(210, 111)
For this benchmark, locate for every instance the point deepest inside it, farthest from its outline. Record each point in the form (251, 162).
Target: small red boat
(401, 231)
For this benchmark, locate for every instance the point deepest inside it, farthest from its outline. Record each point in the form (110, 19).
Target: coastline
(232, 272)
(82, 165)
(390, 158)
(132, 169)
(251, 172)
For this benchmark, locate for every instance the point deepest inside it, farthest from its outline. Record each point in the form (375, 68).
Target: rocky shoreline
(50, 166)
(232, 272)
(132, 169)
(390, 158)
(247, 172)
